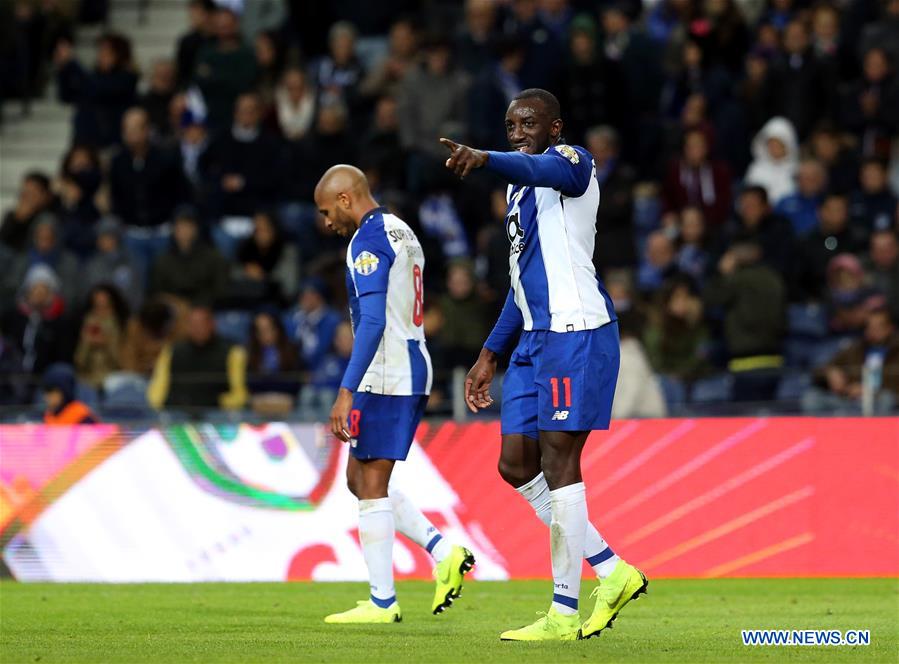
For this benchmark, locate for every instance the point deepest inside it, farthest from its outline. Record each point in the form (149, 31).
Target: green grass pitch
(678, 621)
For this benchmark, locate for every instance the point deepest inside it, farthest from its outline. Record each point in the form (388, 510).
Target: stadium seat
(798, 352)
(675, 393)
(807, 320)
(712, 389)
(822, 351)
(793, 385)
(806, 327)
(87, 395)
(127, 395)
(127, 400)
(125, 413)
(234, 325)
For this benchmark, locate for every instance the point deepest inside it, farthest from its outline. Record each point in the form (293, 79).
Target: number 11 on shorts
(566, 384)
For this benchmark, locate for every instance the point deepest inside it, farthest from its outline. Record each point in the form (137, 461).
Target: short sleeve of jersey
(372, 257)
(578, 168)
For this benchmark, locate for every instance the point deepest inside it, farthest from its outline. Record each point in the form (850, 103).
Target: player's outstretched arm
(562, 167)
(479, 378)
(372, 321)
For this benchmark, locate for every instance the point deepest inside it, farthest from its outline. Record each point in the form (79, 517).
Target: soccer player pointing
(561, 377)
(384, 390)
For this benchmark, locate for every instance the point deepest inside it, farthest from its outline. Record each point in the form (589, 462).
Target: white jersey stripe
(564, 296)
(427, 356)
(520, 298)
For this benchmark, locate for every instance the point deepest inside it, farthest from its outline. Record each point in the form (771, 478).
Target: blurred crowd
(747, 153)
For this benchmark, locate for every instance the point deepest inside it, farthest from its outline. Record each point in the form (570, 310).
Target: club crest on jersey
(569, 153)
(366, 263)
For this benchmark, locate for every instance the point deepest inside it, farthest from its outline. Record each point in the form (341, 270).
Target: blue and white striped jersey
(551, 224)
(385, 266)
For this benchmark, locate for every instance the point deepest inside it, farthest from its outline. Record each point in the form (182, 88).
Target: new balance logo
(560, 415)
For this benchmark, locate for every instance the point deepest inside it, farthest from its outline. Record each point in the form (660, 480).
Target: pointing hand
(463, 159)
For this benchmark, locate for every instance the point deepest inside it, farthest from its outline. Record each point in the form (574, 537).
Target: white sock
(598, 554)
(376, 532)
(413, 524)
(567, 531)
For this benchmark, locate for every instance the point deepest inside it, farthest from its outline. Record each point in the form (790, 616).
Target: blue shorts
(383, 426)
(561, 381)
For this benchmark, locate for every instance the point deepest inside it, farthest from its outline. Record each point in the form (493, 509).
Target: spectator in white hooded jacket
(638, 392)
(775, 152)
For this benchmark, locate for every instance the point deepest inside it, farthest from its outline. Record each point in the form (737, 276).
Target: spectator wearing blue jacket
(801, 207)
(318, 396)
(312, 324)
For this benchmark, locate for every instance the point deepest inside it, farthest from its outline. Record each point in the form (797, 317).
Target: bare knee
(352, 481)
(516, 473)
(372, 479)
(519, 459)
(560, 457)
(556, 470)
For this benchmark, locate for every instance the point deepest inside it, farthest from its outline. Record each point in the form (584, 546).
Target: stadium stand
(158, 155)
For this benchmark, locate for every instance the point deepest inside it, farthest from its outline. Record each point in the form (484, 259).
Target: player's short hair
(548, 98)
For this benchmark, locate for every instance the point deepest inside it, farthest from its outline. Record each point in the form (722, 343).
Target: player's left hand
(340, 413)
(463, 159)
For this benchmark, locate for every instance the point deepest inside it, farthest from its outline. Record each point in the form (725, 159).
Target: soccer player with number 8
(384, 390)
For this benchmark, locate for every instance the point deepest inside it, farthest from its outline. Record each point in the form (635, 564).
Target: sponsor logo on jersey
(515, 233)
(560, 415)
(569, 153)
(513, 227)
(366, 263)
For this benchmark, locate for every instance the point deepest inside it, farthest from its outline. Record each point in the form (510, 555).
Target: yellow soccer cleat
(625, 583)
(552, 626)
(368, 612)
(449, 574)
